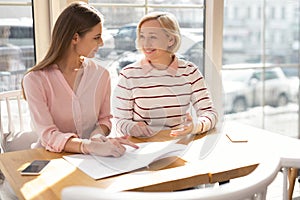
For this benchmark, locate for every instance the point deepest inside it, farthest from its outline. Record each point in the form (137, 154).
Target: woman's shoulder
(185, 65)
(132, 68)
(188, 68)
(38, 74)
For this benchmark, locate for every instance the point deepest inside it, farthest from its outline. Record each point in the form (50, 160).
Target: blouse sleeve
(51, 138)
(201, 100)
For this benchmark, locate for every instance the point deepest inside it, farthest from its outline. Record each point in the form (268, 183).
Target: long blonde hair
(78, 17)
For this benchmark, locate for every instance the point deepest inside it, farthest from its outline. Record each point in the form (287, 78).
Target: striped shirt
(161, 98)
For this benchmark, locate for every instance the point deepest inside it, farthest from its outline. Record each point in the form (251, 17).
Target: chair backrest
(252, 186)
(11, 115)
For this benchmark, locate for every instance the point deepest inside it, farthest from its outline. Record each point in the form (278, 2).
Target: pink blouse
(58, 112)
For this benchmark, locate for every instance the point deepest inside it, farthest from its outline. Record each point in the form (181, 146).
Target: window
(276, 46)
(16, 42)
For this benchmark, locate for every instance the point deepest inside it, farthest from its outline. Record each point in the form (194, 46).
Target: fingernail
(173, 134)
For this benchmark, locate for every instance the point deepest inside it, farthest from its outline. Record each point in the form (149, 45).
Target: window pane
(262, 36)
(16, 43)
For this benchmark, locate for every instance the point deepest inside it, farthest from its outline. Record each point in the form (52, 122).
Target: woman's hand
(124, 141)
(141, 129)
(184, 128)
(106, 147)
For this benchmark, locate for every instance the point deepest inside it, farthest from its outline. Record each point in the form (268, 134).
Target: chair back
(15, 130)
(252, 186)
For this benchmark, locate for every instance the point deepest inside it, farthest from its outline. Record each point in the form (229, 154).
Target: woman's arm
(73, 145)
(201, 100)
(123, 106)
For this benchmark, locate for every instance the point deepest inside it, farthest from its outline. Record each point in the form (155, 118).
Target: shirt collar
(172, 69)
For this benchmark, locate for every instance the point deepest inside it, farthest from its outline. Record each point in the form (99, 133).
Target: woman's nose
(100, 42)
(147, 42)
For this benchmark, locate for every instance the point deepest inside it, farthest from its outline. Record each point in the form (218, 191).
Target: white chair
(15, 130)
(252, 186)
(14, 134)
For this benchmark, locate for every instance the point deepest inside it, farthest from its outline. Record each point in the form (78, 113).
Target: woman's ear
(171, 41)
(75, 38)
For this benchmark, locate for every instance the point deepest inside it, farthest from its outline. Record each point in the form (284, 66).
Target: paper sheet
(99, 167)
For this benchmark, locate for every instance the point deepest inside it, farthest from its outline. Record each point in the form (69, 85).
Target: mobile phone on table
(35, 168)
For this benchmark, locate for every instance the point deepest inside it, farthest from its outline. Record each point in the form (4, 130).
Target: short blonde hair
(168, 22)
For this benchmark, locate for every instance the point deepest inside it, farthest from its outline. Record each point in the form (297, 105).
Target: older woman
(156, 92)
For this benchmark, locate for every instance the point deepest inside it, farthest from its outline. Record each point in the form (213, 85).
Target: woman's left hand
(185, 128)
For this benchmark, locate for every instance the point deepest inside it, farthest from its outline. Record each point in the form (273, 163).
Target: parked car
(292, 73)
(124, 39)
(195, 54)
(245, 86)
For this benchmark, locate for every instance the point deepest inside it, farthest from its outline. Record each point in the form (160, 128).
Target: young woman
(156, 92)
(68, 93)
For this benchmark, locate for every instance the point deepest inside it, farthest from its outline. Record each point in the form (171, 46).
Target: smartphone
(35, 168)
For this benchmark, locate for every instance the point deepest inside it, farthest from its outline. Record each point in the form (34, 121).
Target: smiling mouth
(149, 51)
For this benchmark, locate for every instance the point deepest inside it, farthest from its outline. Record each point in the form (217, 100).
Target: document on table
(99, 167)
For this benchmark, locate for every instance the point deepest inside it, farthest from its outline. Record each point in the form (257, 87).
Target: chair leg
(292, 174)
(2, 177)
